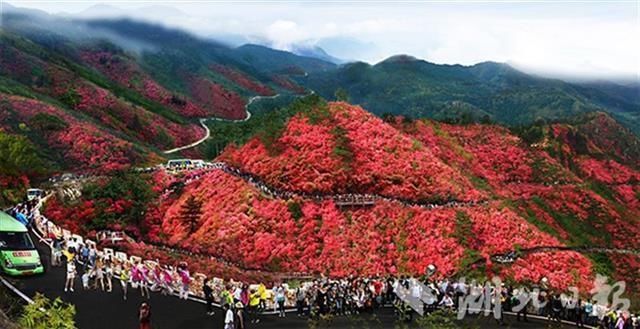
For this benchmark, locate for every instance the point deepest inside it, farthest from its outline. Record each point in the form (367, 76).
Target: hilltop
(404, 85)
(446, 194)
(82, 99)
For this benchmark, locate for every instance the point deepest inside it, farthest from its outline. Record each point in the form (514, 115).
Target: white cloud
(579, 38)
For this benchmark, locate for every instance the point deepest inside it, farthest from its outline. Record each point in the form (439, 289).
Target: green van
(18, 254)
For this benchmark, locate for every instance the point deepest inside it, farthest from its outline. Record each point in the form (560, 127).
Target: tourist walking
(185, 280)
(84, 278)
(71, 276)
(240, 316)
(143, 280)
(300, 298)
(254, 304)
(99, 274)
(208, 296)
(144, 316)
(228, 318)
(124, 280)
(108, 271)
(281, 298)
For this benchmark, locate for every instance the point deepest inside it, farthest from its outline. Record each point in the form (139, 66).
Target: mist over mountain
(400, 85)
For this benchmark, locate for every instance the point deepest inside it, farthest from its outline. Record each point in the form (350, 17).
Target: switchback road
(203, 123)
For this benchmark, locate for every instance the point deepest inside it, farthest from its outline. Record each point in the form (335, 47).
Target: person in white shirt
(228, 319)
(447, 302)
(71, 276)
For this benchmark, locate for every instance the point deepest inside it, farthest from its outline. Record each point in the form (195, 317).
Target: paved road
(208, 131)
(102, 310)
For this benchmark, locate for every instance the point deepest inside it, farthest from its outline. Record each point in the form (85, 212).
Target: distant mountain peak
(402, 58)
(315, 51)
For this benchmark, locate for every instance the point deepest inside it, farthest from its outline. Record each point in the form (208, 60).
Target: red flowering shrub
(287, 84)
(82, 145)
(252, 232)
(608, 171)
(206, 99)
(243, 80)
(126, 72)
(73, 218)
(350, 150)
(217, 100)
(500, 231)
(99, 103)
(629, 195)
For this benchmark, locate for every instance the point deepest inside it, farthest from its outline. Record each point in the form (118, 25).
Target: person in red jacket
(145, 316)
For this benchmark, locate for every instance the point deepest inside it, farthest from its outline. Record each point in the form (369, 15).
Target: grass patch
(582, 233)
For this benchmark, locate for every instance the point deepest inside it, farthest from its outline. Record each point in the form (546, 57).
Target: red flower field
(531, 198)
(243, 80)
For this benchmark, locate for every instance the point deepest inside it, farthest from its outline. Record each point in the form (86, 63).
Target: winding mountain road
(208, 131)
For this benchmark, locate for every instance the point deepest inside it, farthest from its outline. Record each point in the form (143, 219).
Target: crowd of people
(98, 270)
(242, 303)
(25, 212)
(356, 199)
(350, 296)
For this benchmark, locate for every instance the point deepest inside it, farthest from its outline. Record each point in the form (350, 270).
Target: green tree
(341, 95)
(128, 186)
(47, 314)
(71, 98)
(18, 156)
(47, 122)
(295, 209)
(191, 212)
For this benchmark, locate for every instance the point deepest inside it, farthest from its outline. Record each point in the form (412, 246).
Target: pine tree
(191, 212)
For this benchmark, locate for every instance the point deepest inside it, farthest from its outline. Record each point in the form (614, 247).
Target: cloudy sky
(590, 38)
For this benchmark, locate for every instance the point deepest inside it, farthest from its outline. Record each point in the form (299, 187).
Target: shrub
(47, 314)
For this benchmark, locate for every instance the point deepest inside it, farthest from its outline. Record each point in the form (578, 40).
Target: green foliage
(582, 233)
(295, 209)
(464, 229)
(126, 186)
(480, 183)
(533, 219)
(47, 314)
(318, 114)
(531, 134)
(164, 138)
(71, 98)
(603, 190)
(483, 92)
(18, 156)
(191, 212)
(267, 125)
(341, 95)
(388, 117)
(47, 122)
(440, 319)
(343, 148)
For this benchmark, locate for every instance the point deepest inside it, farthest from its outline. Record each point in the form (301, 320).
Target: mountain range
(465, 162)
(400, 85)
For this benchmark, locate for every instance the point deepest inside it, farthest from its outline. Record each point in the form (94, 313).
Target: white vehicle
(198, 163)
(34, 194)
(66, 177)
(179, 164)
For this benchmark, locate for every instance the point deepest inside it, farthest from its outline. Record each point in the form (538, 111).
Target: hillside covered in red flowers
(504, 194)
(452, 195)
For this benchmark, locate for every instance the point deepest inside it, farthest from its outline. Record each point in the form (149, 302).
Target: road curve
(208, 131)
